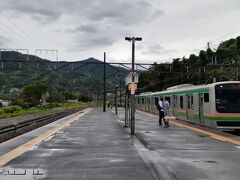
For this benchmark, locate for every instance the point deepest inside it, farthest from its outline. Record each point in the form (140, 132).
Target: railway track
(15, 129)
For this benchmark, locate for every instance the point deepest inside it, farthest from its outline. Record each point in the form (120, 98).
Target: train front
(227, 103)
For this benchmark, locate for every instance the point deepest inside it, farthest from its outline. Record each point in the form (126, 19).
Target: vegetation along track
(15, 129)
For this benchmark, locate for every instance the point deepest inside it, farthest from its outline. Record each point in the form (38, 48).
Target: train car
(215, 105)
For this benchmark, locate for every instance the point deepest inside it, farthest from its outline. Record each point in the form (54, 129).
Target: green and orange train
(215, 105)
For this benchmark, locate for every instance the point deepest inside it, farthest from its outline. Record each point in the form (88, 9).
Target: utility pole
(104, 83)
(132, 96)
(120, 91)
(126, 107)
(116, 112)
(1, 48)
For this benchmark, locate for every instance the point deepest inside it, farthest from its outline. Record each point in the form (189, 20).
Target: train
(215, 105)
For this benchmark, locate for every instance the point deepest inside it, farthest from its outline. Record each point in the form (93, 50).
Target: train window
(156, 100)
(206, 97)
(192, 102)
(188, 102)
(228, 98)
(168, 99)
(138, 101)
(174, 101)
(142, 100)
(181, 101)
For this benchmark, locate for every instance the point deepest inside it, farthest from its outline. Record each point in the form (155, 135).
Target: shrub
(11, 109)
(49, 106)
(84, 98)
(1, 111)
(26, 105)
(18, 102)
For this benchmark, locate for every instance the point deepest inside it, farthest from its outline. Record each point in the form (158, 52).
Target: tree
(57, 97)
(33, 92)
(209, 54)
(84, 98)
(238, 42)
(69, 95)
(177, 64)
(192, 60)
(202, 57)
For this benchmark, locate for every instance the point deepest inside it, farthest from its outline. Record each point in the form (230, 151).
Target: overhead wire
(13, 33)
(2, 44)
(21, 30)
(14, 45)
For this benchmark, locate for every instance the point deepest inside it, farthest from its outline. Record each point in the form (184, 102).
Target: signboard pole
(133, 95)
(104, 83)
(126, 108)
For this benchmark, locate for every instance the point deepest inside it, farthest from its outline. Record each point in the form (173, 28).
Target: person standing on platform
(166, 112)
(161, 111)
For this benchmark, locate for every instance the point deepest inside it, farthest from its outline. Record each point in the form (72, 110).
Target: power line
(8, 34)
(3, 44)
(10, 43)
(20, 29)
(16, 35)
(5, 32)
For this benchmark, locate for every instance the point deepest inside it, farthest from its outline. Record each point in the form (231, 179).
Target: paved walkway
(96, 146)
(180, 153)
(93, 147)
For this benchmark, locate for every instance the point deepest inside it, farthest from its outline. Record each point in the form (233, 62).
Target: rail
(15, 129)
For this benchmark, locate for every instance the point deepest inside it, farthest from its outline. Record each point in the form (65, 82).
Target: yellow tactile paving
(4, 159)
(213, 135)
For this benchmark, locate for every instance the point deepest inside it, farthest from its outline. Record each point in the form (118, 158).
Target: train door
(189, 106)
(156, 104)
(174, 105)
(200, 100)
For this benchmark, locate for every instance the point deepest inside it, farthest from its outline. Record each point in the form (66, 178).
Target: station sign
(132, 77)
(132, 87)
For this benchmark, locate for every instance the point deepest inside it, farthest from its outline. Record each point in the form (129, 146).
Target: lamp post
(132, 96)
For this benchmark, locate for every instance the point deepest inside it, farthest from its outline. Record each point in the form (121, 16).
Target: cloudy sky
(79, 29)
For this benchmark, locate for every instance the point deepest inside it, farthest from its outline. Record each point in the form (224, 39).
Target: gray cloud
(87, 43)
(86, 29)
(157, 50)
(91, 37)
(119, 11)
(153, 49)
(87, 26)
(103, 22)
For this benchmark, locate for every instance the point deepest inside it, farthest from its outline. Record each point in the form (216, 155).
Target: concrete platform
(93, 147)
(96, 146)
(180, 153)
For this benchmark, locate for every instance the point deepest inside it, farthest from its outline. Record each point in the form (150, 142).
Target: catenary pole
(104, 83)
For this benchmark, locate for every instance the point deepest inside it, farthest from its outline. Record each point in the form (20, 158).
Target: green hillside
(221, 64)
(59, 80)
